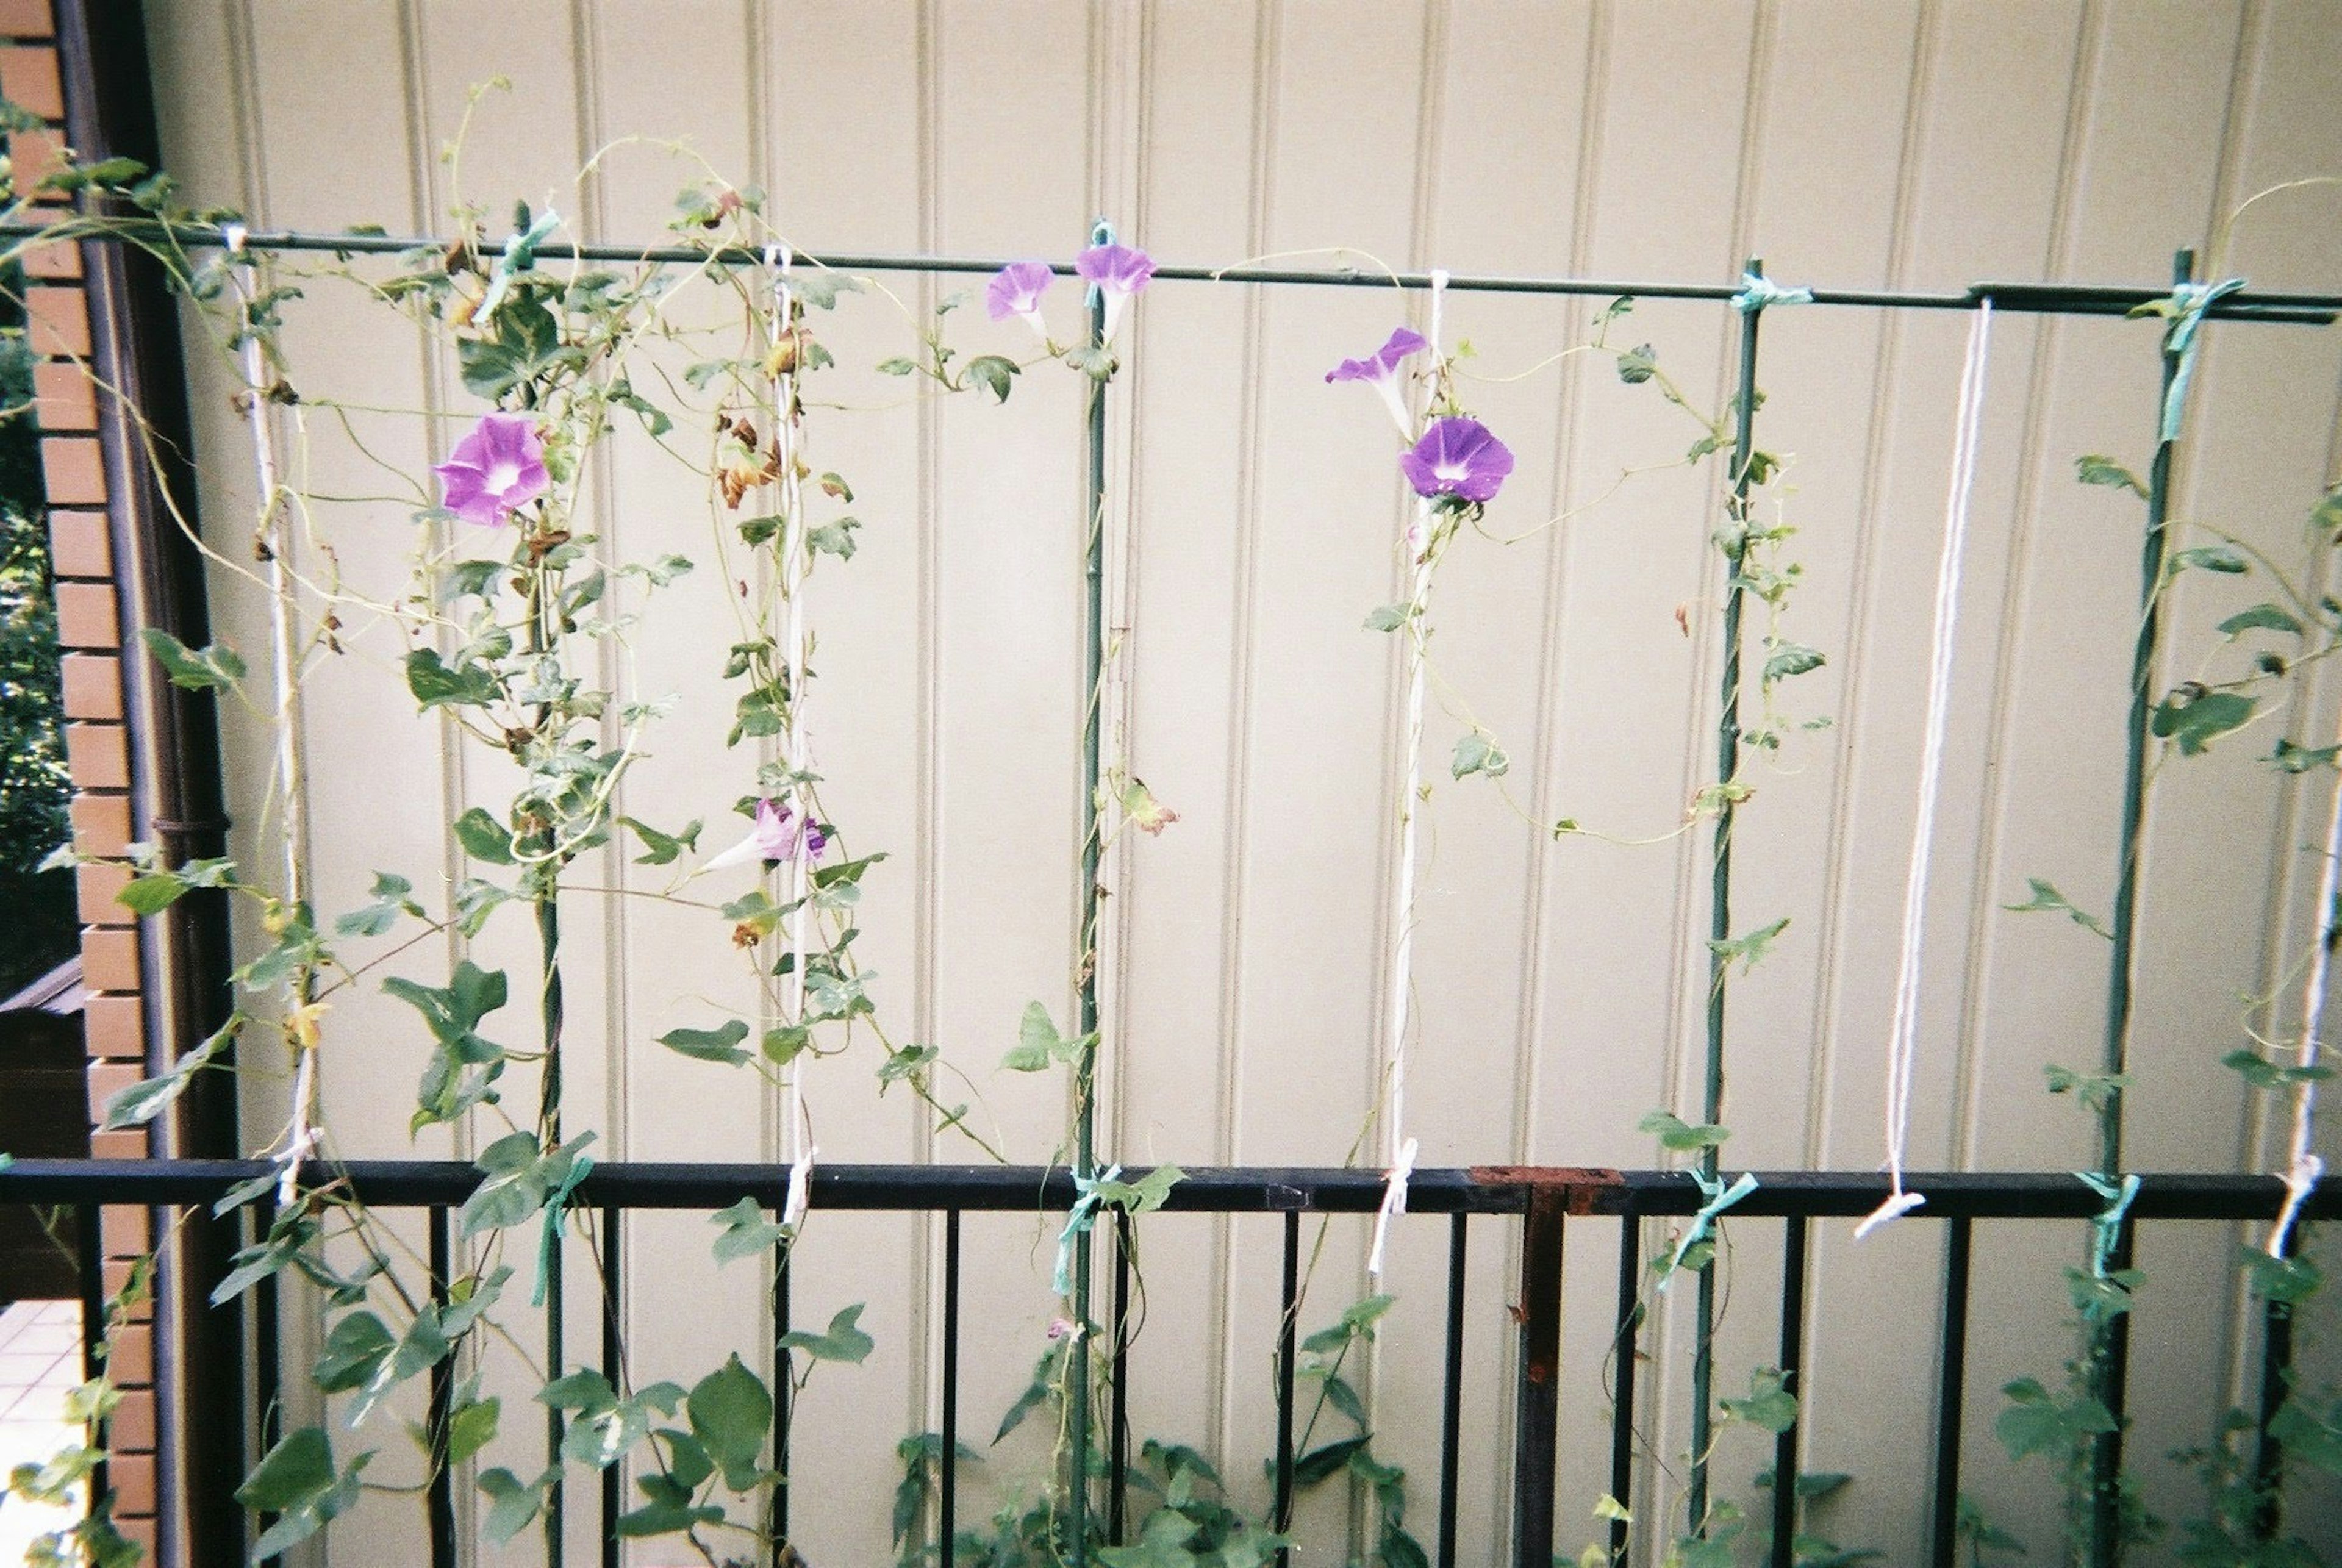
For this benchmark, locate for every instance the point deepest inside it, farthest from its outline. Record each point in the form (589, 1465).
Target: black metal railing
(1542, 1201)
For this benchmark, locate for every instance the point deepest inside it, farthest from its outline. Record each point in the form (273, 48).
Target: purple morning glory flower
(1116, 272)
(1457, 457)
(1380, 371)
(778, 835)
(498, 468)
(1016, 290)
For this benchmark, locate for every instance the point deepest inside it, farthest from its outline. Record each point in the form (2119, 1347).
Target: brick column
(97, 740)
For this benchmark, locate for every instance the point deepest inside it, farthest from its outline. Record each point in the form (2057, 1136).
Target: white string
(302, 1135)
(797, 1131)
(1402, 1148)
(2303, 1168)
(1903, 1047)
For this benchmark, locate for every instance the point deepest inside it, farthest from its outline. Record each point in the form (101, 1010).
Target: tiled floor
(40, 1362)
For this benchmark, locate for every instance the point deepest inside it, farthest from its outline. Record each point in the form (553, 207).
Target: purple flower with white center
(1380, 371)
(1116, 272)
(779, 834)
(1016, 290)
(1457, 457)
(497, 468)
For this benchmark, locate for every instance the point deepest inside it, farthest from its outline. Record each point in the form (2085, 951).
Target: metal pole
(1086, 945)
(1728, 766)
(2037, 298)
(2107, 1353)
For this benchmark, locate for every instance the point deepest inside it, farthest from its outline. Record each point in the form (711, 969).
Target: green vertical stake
(1086, 955)
(1728, 766)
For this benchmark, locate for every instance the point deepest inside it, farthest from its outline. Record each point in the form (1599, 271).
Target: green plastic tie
(1079, 1222)
(1757, 292)
(520, 255)
(2106, 1227)
(555, 1205)
(1719, 1198)
(2184, 310)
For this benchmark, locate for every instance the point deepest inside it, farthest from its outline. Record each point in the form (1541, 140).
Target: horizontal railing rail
(1545, 1198)
(1230, 1190)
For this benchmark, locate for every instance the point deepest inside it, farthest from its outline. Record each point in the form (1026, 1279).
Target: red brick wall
(97, 745)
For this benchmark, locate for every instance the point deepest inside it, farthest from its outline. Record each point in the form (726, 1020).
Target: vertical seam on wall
(1236, 804)
(928, 842)
(1975, 981)
(1138, 75)
(1877, 460)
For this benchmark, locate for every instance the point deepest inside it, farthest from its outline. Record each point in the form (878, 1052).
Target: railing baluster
(1538, 1396)
(265, 1351)
(948, 1463)
(1786, 1466)
(2277, 1369)
(1118, 1437)
(1950, 1391)
(1289, 1307)
(613, 1357)
(1451, 1420)
(439, 1504)
(1622, 1346)
(783, 1408)
(89, 1250)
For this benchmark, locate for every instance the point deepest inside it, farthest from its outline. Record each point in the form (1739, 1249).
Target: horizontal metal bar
(1486, 1189)
(2052, 298)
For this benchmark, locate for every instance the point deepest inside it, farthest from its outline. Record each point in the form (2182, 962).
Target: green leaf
(510, 1505)
(664, 848)
(2287, 1280)
(843, 1340)
(1388, 617)
(375, 918)
(1639, 364)
(2224, 558)
(2194, 717)
(1320, 1464)
(2097, 1091)
(994, 373)
(1038, 1043)
(745, 1230)
(1769, 1403)
(897, 366)
(721, 1044)
(2294, 759)
(142, 1103)
(1786, 659)
(471, 1427)
(2262, 617)
(434, 684)
(2046, 897)
(1096, 364)
(669, 1510)
(297, 1481)
(194, 669)
(526, 347)
(2092, 469)
(1678, 1134)
(1479, 753)
(152, 894)
(1044, 1383)
(2263, 1074)
(834, 538)
(730, 1413)
(2037, 1423)
(484, 837)
(1752, 948)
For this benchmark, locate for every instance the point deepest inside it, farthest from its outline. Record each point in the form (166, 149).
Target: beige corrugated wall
(1863, 143)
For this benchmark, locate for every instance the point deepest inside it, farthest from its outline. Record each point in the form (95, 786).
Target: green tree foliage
(39, 933)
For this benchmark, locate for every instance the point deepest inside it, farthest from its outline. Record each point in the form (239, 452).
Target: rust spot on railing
(1578, 1189)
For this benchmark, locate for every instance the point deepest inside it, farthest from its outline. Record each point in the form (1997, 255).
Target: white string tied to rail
(1402, 1149)
(796, 1129)
(303, 1134)
(2304, 1168)
(1903, 1046)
